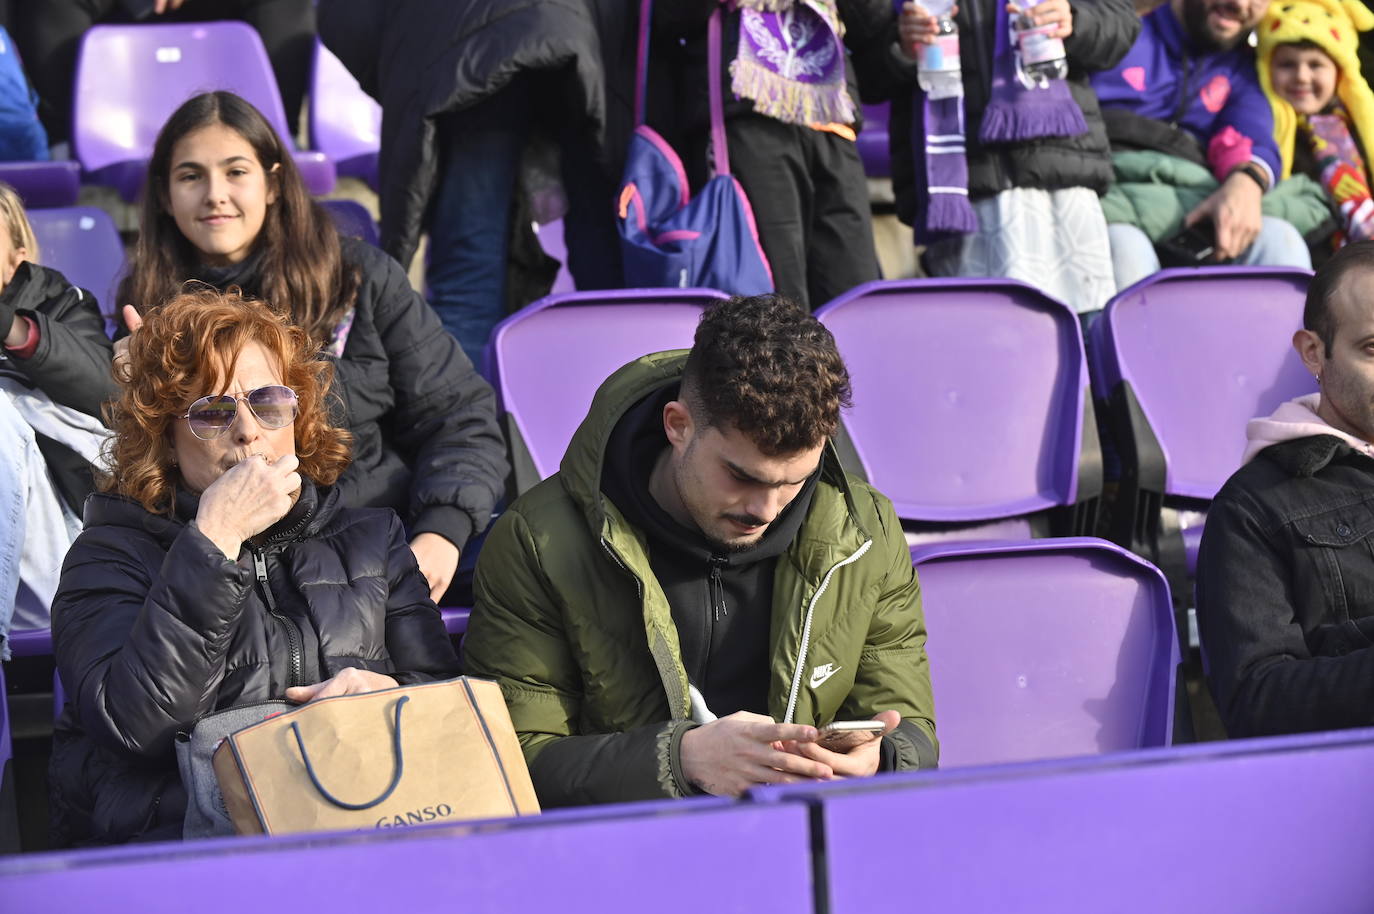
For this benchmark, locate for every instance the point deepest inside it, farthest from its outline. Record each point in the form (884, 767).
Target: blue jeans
(1278, 244)
(469, 230)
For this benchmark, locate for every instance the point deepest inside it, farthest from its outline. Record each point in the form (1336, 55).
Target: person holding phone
(701, 589)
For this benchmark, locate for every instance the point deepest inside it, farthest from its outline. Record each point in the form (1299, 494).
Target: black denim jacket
(1285, 590)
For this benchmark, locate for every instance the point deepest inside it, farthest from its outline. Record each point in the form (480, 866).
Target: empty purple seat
(41, 184)
(1046, 648)
(873, 142)
(971, 408)
(130, 78)
(345, 122)
(81, 243)
(548, 359)
(352, 219)
(1184, 359)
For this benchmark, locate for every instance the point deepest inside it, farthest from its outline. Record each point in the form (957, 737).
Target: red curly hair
(188, 349)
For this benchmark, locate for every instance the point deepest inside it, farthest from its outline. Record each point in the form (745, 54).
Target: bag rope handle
(395, 776)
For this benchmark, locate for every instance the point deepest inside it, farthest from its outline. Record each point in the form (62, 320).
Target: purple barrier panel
(1251, 825)
(627, 857)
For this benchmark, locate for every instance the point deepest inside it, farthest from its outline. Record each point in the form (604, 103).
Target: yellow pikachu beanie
(1334, 26)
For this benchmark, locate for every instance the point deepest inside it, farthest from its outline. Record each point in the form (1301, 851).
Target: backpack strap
(720, 149)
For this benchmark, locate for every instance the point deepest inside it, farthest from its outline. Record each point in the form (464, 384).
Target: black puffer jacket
(71, 364)
(1103, 31)
(425, 58)
(154, 628)
(72, 361)
(1285, 590)
(425, 438)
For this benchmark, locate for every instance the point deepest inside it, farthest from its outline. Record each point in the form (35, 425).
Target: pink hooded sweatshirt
(1295, 419)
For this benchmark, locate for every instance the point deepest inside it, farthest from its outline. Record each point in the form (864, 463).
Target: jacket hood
(582, 463)
(1292, 420)
(313, 510)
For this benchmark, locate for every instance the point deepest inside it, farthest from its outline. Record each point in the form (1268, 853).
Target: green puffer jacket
(1154, 191)
(570, 620)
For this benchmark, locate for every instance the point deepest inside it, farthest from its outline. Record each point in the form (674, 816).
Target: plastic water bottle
(937, 69)
(1039, 53)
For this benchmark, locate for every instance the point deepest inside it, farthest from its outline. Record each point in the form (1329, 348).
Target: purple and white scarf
(1014, 113)
(791, 61)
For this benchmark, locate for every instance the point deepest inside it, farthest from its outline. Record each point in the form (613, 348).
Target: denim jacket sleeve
(1261, 670)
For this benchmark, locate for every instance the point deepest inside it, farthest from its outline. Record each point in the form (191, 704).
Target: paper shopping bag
(439, 752)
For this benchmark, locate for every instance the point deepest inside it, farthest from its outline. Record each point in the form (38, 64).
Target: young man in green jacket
(701, 586)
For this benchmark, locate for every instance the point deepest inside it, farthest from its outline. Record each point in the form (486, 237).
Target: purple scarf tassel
(938, 142)
(1016, 113)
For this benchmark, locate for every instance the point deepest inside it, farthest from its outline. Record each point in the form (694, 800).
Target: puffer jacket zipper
(806, 628)
(293, 633)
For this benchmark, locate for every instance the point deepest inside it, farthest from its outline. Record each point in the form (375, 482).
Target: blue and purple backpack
(668, 237)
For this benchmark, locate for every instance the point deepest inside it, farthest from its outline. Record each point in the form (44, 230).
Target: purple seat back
(1046, 648)
(42, 184)
(1204, 351)
(345, 122)
(82, 243)
(568, 861)
(547, 360)
(130, 78)
(352, 219)
(32, 642)
(968, 395)
(873, 142)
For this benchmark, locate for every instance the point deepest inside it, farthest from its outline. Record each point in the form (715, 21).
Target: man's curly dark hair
(765, 366)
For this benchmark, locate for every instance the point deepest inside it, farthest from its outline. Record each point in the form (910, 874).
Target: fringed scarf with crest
(791, 61)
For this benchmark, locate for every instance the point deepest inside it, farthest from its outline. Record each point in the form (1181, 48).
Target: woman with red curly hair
(218, 567)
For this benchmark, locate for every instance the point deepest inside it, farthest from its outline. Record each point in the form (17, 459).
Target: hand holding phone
(843, 735)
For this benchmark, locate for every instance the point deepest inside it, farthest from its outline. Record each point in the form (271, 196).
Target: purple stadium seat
(1046, 648)
(873, 142)
(352, 219)
(9, 822)
(345, 122)
(33, 642)
(547, 360)
(970, 406)
(551, 240)
(41, 184)
(82, 243)
(1184, 359)
(130, 78)
(455, 618)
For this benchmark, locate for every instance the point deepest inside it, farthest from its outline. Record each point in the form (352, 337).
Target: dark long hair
(301, 266)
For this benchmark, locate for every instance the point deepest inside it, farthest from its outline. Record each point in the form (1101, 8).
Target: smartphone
(1190, 247)
(835, 731)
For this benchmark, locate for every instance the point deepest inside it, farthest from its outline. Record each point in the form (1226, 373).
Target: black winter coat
(71, 364)
(425, 58)
(1103, 31)
(154, 628)
(1285, 590)
(425, 437)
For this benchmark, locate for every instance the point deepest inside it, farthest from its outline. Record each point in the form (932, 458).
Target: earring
(1319, 379)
